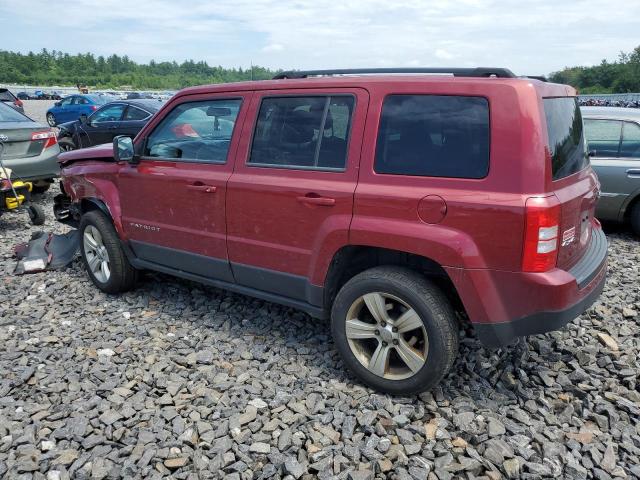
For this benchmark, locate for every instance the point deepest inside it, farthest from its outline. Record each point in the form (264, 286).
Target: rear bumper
(39, 167)
(505, 305)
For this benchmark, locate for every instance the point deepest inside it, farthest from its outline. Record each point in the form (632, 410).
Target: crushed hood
(99, 152)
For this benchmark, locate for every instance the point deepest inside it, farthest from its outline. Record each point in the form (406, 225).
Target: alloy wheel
(96, 254)
(387, 336)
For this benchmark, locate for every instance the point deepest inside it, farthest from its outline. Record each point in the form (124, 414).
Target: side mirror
(58, 104)
(593, 153)
(83, 119)
(123, 148)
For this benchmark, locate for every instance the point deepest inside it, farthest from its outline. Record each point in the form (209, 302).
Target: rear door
(173, 201)
(133, 120)
(604, 137)
(573, 181)
(290, 198)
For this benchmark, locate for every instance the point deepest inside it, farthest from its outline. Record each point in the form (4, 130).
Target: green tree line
(58, 68)
(621, 76)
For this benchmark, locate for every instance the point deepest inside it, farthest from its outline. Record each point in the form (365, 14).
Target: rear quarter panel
(484, 224)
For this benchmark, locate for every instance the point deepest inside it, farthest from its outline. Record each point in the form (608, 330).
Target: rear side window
(434, 136)
(566, 137)
(603, 136)
(630, 146)
(303, 132)
(195, 132)
(134, 113)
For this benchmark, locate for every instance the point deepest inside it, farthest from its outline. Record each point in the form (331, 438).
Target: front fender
(95, 183)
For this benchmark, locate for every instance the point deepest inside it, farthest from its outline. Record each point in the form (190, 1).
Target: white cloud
(537, 37)
(273, 47)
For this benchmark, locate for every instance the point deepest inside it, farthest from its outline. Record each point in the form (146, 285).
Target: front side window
(567, 145)
(81, 101)
(196, 132)
(630, 146)
(433, 136)
(134, 113)
(111, 113)
(603, 137)
(303, 132)
(66, 101)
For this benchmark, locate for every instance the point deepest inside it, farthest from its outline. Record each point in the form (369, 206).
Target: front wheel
(395, 330)
(51, 120)
(66, 144)
(104, 259)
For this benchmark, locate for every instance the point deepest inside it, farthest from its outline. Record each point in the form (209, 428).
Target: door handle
(311, 199)
(202, 188)
(633, 173)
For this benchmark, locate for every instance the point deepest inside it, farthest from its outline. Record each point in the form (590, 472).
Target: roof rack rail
(542, 78)
(456, 72)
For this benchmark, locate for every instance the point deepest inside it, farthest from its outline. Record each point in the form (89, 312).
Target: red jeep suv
(394, 202)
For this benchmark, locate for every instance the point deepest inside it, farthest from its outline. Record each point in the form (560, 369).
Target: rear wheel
(42, 186)
(104, 259)
(51, 120)
(395, 330)
(634, 218)
(36, 214)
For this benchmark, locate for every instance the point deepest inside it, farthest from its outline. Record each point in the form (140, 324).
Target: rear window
(567, 145)
(8, 114)
(434, 136)
(6, 96)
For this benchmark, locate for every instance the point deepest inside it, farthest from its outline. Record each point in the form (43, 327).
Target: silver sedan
(613, 135)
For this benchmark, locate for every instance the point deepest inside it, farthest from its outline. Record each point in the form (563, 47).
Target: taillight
(94, 107)
(540, 251)
(49, 137)
(17, 102)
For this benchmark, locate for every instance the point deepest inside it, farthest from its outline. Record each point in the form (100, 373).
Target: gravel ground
(37, 109)
(177, 379)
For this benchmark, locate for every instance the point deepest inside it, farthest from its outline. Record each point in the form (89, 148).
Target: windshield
(8, 114)
(567, 145)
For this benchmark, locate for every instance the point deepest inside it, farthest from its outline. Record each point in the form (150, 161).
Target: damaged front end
(65, 210)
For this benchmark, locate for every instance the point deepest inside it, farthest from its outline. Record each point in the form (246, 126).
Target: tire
(435, 341)
(42, 188)
(51, 120)
(66, 144)
(121, 275)
(36, 214)
(634, 218)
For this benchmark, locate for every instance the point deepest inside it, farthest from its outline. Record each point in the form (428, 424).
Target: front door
(102, 125)
(290, 198)
(173, 201)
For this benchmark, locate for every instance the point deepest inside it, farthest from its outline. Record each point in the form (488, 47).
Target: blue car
(75, 106)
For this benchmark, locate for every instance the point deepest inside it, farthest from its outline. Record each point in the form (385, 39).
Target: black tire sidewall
(67, 141)
(437, 363)
(634, 218)
(117, 279)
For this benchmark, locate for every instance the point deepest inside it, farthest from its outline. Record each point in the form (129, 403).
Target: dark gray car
(613, 135)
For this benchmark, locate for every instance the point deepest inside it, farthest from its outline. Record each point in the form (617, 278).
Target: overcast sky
(530, 37)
